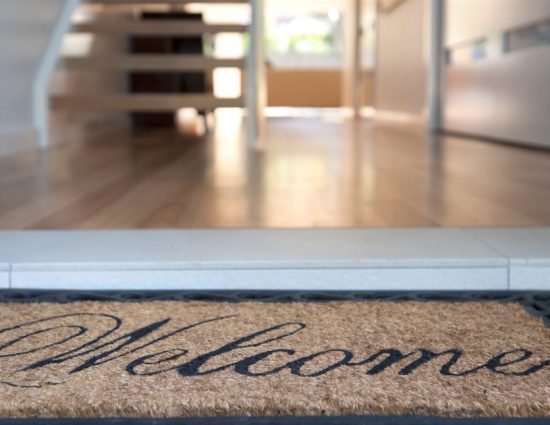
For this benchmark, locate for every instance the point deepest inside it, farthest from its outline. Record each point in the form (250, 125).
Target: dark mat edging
(313, 420)
(537, 303)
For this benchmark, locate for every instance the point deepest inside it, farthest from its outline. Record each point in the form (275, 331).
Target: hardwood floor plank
(312, 173)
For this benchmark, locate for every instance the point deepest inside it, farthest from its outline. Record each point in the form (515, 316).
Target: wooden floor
(313, 172)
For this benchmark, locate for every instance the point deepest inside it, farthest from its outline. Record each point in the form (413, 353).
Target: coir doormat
(183, 359)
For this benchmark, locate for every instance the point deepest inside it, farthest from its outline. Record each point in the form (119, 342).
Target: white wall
(26, 28)
(470, 19)
(507, 95)
(401, 60)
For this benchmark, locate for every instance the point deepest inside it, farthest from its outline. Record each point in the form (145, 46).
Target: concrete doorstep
(277, 259)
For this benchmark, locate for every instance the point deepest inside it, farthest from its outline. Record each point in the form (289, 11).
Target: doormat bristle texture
(181, 359)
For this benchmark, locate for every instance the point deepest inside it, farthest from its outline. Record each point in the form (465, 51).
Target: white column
(352, 82)
(256, 85)
(436, 64)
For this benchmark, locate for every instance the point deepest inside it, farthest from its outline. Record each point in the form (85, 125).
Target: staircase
(128, 26)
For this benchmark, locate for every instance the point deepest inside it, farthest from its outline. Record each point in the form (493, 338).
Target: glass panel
(531, 36)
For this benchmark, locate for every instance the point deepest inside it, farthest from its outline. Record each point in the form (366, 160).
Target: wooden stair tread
(143, 102)
(142, 62)
(154, 27)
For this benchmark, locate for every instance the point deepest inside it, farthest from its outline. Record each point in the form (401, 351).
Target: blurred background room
(274, 113)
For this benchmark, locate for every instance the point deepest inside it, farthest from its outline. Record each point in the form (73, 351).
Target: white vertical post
(436, 68)
(256, 85)
(352, 83)
(41, 104)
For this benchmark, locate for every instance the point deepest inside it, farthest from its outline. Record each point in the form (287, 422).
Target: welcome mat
(191, 359)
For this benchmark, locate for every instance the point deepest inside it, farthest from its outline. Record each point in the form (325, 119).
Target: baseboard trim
(520, 144)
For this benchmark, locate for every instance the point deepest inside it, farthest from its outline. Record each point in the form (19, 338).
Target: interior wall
(25, 29)
(400, 84)
(311, 88)
(505, 95)
(471, 19)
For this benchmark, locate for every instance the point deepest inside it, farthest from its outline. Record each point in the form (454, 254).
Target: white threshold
(277, 259)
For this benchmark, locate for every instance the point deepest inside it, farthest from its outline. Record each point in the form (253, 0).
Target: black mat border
(537, 303)
(314, 420)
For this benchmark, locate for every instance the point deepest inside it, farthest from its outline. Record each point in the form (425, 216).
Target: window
(306, 37)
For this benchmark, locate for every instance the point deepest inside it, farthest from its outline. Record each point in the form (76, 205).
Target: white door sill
(277, 259)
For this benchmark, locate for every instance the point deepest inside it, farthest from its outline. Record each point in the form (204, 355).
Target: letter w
(119, 343)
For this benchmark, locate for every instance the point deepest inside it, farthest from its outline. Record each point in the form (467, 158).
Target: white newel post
(436, 65)
(256, 85)
(352, 80)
